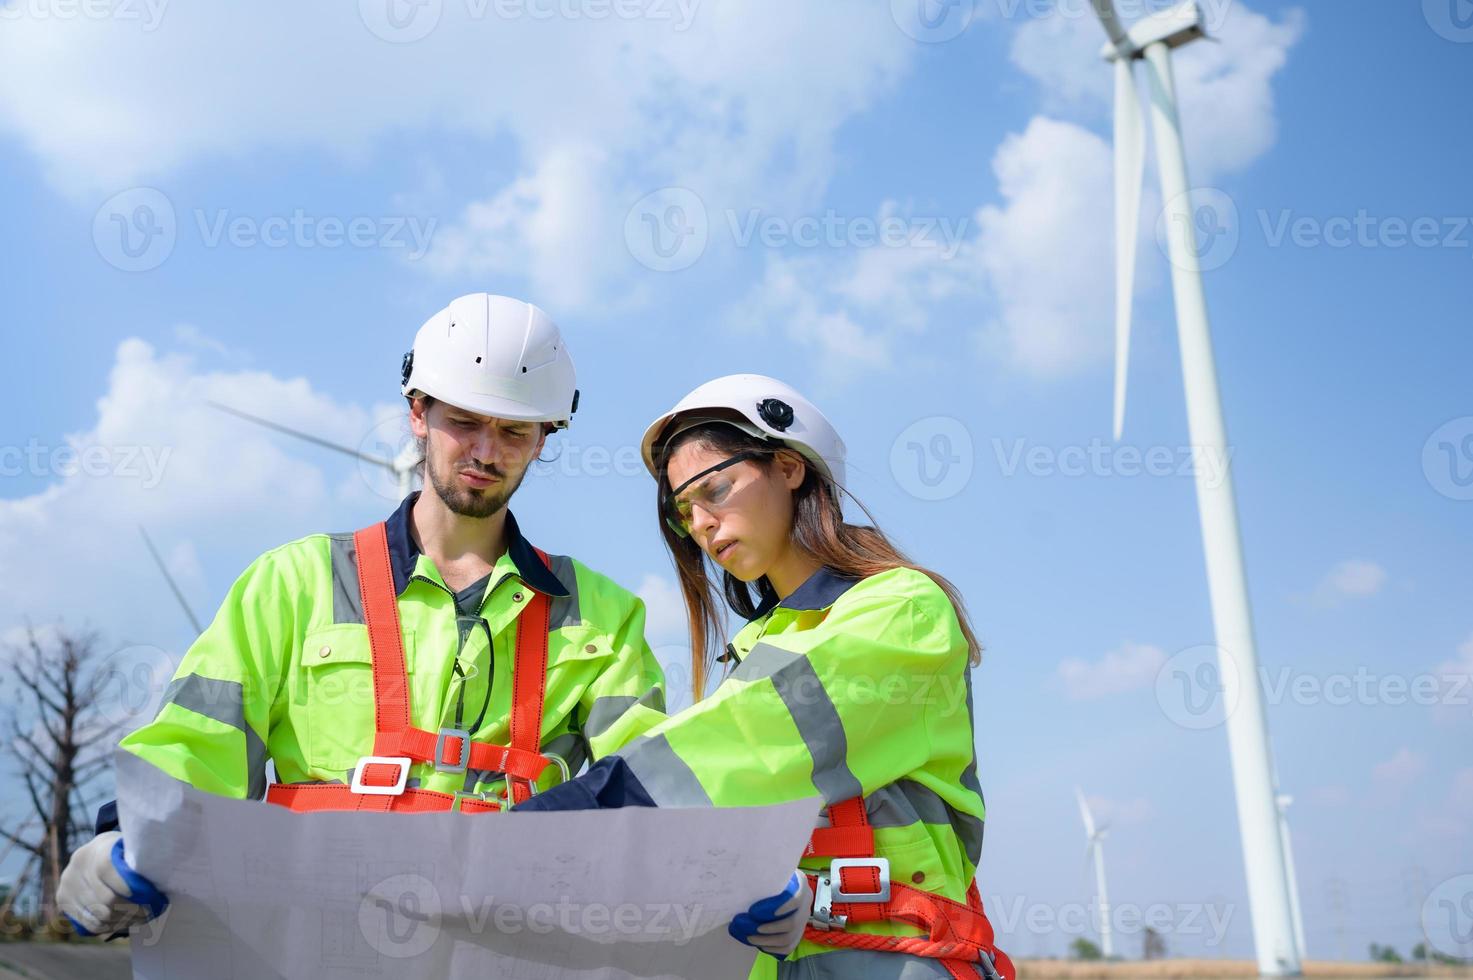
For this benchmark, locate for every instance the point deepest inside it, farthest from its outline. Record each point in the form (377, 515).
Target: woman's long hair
(819, 533)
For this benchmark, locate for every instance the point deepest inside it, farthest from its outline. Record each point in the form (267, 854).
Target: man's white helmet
(764, 407)
(497, 356)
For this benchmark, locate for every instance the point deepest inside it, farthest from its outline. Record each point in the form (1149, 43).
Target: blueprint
(259, 893)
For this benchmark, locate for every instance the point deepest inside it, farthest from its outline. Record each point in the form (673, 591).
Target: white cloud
(665, 622)
(1115, 813)
(1129, 668)
(1354, 578)
(159, 458)
(1400, 770)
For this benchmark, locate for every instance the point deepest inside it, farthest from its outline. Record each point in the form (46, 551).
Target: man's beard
(469, 502)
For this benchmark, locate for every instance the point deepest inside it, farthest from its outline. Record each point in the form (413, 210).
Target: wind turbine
(173, 585)
(1151, 41)
(402, 466)
(1095, 849)
(1282, 803)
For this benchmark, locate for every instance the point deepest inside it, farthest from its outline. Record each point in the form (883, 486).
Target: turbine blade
(1130, 163)
(1114, 26)
(1089, 821)
(316, 440)
(173, 586)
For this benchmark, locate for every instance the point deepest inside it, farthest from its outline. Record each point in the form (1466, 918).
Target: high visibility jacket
(845, 689)
(284, 670)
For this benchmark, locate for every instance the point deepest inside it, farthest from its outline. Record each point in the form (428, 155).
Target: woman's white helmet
(496, 356)
(764, 407)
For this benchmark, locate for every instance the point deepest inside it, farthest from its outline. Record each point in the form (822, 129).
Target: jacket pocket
(339, 712)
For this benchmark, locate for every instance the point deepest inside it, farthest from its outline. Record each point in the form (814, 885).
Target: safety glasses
(711, 495)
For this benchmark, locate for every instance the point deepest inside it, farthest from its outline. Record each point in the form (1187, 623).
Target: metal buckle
(823, 916)
(562, 765)
(989, 968)
(465, 750)
(462, 794)
(402, 761)
(882, 865)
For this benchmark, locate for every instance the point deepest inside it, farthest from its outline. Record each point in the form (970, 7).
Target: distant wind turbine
(1095, 849)
(1151, 41)
(173, 585)
(403, 466)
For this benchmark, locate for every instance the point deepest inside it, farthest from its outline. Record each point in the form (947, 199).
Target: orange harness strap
(379, 780)
(857, 889)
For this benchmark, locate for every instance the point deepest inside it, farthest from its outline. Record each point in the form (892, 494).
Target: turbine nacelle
(1173, 27)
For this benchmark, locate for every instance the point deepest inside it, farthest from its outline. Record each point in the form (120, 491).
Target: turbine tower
(1094, 849)
(1151, 41)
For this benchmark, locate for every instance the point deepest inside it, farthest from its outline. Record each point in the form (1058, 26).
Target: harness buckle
(877, 864)
(397, 789)
(461, 794)
(989, 968)
(444, 735)
(823, 916)
(562, 767)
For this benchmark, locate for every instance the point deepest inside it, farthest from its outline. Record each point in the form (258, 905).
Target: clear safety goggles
(712, 494)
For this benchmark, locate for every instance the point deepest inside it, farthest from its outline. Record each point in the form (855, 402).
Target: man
(435, 661)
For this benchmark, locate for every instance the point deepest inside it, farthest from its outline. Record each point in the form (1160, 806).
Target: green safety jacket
(846, 688)
(284, 670)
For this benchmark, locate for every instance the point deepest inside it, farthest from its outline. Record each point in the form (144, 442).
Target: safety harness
(380, 780)
(857, 888)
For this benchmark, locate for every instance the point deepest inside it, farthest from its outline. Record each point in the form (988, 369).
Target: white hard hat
(769, 408)
(496, 356)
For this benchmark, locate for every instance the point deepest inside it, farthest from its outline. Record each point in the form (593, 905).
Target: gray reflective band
(608, 710)
(763, 661)
(972, 838)
(818, 722)
(571, 747)
(564, 610)
(905, 802)
(347, 600)
(664, 775)
(222, 701)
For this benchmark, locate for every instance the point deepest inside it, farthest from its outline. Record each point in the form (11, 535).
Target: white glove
(101, 894)
(775, 925)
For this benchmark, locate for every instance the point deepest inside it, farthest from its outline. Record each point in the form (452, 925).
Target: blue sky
(913, 225)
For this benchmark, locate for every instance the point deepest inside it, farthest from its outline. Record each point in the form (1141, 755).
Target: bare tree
(60, 742)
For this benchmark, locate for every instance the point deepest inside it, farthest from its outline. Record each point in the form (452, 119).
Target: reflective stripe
(222, 701)
(821, 727)
(571, 747)
(763, 661)
(970, 831)
(664, 775)
(608, 710)
(347, 601)
(565, 610)
(905, 802)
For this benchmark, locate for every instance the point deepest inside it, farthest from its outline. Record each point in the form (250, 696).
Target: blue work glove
(100, 894)
(775, 925)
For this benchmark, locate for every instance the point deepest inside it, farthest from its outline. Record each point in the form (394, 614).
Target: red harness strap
(855, 890)
(379, 780)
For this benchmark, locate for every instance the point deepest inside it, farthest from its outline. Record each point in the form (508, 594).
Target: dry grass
(1223, 970)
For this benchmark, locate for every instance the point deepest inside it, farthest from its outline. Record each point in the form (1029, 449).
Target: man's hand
(101, 894)
(775, 925)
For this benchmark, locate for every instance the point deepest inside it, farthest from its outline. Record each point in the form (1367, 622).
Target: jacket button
(918, 877)
(591, 648)
(325, 651)
(517, 597)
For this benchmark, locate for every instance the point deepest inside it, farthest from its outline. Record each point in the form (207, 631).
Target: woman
(850, 680)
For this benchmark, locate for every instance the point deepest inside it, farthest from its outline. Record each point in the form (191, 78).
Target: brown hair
(819, 532)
